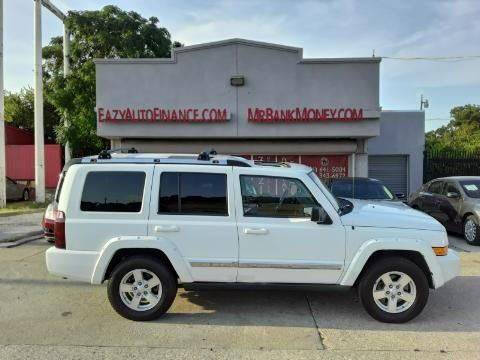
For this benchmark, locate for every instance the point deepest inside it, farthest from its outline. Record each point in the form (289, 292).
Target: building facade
(259, 100)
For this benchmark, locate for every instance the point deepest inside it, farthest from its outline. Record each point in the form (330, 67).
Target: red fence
(21, 160)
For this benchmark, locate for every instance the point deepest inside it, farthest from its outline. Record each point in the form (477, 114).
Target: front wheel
(394, 290)
(26, 195)
(471, 230)
(141, 288)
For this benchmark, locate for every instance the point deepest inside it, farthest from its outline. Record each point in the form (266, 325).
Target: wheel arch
(125, 253)
(414, 256)
(120, 248)
(416, 251)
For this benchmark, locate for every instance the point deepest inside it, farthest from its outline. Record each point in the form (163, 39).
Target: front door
(278, 243)
(194, 209)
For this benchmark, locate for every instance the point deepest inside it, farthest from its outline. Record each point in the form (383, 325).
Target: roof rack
(269, 163)
(133, 157)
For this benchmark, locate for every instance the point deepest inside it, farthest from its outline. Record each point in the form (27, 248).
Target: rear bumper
(75, 265)
(449, 266)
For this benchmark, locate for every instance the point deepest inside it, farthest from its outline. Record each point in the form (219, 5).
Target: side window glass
(435, 187)
(193, 194)
(266, 196)
(113, 191)
(451, 188)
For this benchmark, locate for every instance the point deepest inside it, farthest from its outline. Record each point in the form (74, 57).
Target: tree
(19, 112)
(461, 133)
(106, 33)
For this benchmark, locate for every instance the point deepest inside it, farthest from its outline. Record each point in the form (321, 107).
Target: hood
(384, 214)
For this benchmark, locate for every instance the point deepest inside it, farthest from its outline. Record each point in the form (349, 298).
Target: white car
(149, 223)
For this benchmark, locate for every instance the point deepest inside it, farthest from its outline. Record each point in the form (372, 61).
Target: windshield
(361, 189)
(324, 189)
(471, 188)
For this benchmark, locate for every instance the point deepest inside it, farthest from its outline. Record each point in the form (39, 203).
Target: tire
(471, 230)
(26, 195)
(148, 266)
(50, 240)
(390, 268)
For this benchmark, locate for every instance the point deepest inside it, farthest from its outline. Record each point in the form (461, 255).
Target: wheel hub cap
(470, 230)
(398, 300)
(140, 290)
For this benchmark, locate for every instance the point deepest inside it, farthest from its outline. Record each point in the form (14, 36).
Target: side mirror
(453, 195)
(320, 216)
(400, 195)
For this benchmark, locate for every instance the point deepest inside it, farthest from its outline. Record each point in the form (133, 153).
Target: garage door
(392, 170)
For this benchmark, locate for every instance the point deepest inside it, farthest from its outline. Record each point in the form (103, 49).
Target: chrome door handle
(255, 231)
(166, 228)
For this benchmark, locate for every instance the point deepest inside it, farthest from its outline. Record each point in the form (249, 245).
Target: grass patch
(22, 207)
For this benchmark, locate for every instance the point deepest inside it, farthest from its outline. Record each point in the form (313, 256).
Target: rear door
(193, 207)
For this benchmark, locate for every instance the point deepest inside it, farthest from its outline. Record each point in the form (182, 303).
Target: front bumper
(449, 266)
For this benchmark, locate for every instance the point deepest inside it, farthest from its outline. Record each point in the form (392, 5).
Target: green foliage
(106, 33)
(19, 112)
(461, 133)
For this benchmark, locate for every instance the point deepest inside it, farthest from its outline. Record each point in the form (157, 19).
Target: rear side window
(183, 193)
(113, 191)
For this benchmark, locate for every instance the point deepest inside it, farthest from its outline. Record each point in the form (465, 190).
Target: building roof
(238, 41)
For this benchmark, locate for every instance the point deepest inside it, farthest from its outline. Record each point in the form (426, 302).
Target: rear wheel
(141, 288)
(394, 290)
(26, 195)
(471, 230)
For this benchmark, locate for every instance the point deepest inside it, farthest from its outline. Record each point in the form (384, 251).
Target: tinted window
(435, 187)
(265, 196)
(471, 188)
(113, 191)
(193, 194)
(451, 188)
(361, 189)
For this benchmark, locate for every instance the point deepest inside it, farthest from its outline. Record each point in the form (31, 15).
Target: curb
(22, 236)
(21, 212)
(19, 242)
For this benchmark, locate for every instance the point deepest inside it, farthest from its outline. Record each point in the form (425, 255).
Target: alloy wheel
(470, 230)
(394, 292)
(140, 290)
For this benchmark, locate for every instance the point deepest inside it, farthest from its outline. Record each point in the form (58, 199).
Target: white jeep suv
(149, 223)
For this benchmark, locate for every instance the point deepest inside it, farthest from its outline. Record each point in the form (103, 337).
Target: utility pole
(38, 106)
(66, 72)
(38, 123)
(3, 190)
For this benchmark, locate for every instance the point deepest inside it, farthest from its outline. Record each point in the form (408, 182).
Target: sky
(323, 28)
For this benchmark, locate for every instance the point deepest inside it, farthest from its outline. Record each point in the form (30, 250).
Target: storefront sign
(153, 115)
(325, 166)
(269, 115)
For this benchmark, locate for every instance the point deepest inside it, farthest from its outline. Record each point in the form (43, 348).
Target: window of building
(185, 193)
(113, 191)
(267, 196)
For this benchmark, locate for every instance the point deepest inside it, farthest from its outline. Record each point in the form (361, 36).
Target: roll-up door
(391, 169)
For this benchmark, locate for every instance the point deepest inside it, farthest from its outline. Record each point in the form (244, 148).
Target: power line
(438, 119)
(434, 58)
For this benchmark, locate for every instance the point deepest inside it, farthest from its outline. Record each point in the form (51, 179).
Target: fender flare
(369, 247)
(140, 242)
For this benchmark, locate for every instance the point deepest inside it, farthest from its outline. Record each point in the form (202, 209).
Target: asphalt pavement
(42, 316)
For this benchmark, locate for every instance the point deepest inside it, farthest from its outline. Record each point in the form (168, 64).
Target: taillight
(59, 229)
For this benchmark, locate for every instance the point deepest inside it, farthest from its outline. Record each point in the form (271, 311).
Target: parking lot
(49, 317)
